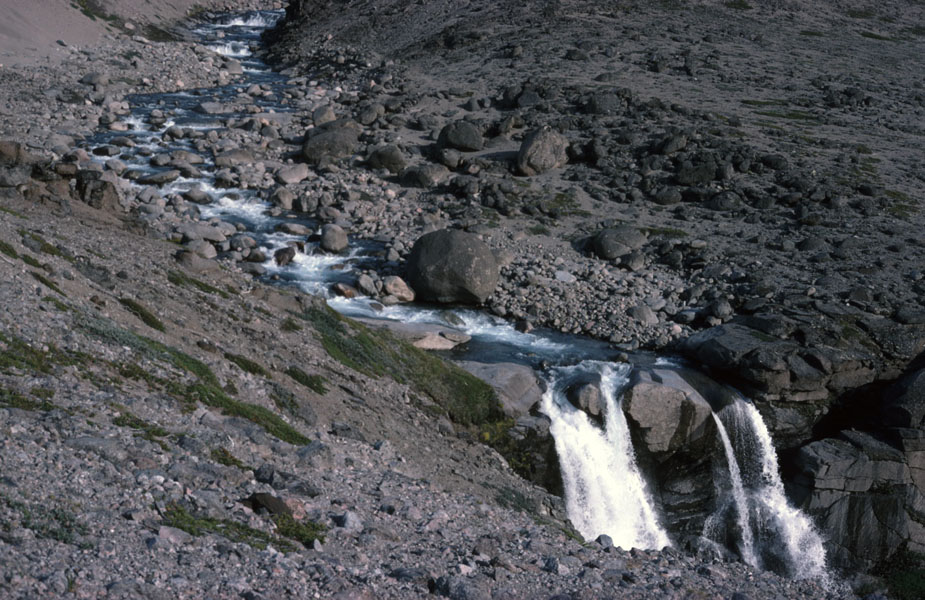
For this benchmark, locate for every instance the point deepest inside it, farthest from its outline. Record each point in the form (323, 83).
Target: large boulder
(452, 266)
(517, 386)
(336, 140)
(461, 135)
(905, 402)
(542, 150)
(618, 241)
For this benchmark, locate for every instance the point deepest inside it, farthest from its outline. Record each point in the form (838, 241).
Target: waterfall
(774, 533)
(604, 490)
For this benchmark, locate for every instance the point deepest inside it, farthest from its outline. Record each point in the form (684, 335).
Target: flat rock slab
(422, 335)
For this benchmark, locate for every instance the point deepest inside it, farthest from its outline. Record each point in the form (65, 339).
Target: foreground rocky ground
(716, 176)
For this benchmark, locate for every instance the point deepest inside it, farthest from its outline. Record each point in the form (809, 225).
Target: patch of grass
(313, 382)
(290, 324)
(247, 365)
(146, 316)
(26, 258)
(58, 304)
(47, 283)
(8, 250)
(738, 5)
(44, 246)
(288, 529)
(918, 30)
(223, 457)
(12, 212)
(538, 229)
(182, 279)
(876, 36)
(764, 102)
(127, 419)
(50, 523)
(304, 532)
(669, 232)
(812, 33)
(466, 399)
(13, 399)
(272, 423)
(15, 353)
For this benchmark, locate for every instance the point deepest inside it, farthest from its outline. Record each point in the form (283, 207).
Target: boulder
(292, 174)
(333, 238)
(425, 176)
(97, 192)
(618, 241)
(396, 286)
(450, 266)
(542, 150)
(331, 144)
(904, 404)
(461, 135)
(388, 157)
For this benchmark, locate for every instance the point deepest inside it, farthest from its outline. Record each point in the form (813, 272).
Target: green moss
(538, 229)
(865, 13)
(313, 382)
(26, 258)
(247, 365)
(182, 279)
(8, 250)
(812, 33)
(13, 399)
(288, 530)
(290, 324)
(791, 115)
(146, 316)
(127, 419)
(47, 283)
(876, 36)
(764, 102)
(304, 532)
(270, 421)
(669, 232)
(48, 522)
(466, 399)
(57, 303)
(15, 353)
(904, 575)
(224, 457)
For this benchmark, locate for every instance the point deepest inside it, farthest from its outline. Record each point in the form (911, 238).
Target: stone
(334, 238)
(667, 414)
(330, 144)
(461, 135)
(643, 314)
(542, 150)
(293, 174)
(284, 256)
(425, 176)
(516, 385)
(450, 266)
(389, 157)
(618, 241)
(397, 287)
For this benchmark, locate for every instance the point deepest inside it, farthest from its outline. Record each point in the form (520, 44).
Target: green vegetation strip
(247, 365)
(464, 398)
(223, 457)
(146, 316)
(48, 523)
(313, 382)
(184, 280)
(289, 530)
(206, 390)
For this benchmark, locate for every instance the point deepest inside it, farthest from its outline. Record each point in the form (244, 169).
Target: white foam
(604, 491)
(233, 49)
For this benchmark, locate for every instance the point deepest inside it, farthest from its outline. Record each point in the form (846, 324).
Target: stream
(606, 490)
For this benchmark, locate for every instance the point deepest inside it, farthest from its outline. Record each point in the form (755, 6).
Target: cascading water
(773, 534)
(604, 490)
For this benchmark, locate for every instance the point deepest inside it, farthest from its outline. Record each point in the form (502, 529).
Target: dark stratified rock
(542, 150)
(450, 266)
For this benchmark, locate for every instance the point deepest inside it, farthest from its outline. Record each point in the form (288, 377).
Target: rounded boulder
(452, 266)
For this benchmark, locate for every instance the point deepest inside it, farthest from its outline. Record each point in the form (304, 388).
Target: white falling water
(779, 530)
(604, 490)
(747, 549)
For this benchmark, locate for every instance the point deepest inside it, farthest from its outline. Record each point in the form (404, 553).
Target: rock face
(542, 150)
(450, 266)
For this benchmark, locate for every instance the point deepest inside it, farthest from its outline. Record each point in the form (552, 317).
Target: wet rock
(334, 239)
(450, 266)
(396, 286)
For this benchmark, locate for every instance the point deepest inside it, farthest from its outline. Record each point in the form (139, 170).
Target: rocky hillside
(716, 180)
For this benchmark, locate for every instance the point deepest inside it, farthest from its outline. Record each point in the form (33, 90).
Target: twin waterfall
(607, 494)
